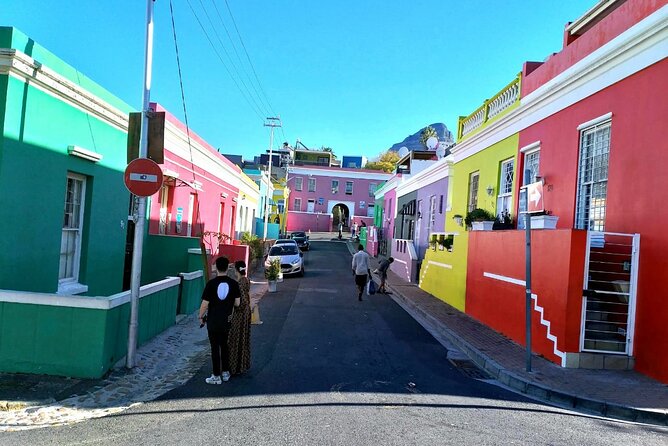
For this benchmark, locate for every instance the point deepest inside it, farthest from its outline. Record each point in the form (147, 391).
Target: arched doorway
(340, 214)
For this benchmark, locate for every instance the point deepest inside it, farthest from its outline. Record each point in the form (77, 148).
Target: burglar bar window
(349, 187)
(311, 184)
(298, 183)
(298, 204)
(593, 177)
(504, 199)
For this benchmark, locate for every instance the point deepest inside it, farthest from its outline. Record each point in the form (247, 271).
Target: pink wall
(627, 15)
(303, 221)
(638, 157)
(207, 201)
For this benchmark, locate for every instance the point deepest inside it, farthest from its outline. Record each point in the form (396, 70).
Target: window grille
(311, 184)
(298, 183)
(335, 186)
(504, 199)
(370, 210)
(473, 191)
(432, 214)
(70, 243)
(298, 204)
(593, 177)
(349, 187)
(372, 189)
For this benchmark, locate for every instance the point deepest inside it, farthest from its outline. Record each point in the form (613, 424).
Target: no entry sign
(143, 177)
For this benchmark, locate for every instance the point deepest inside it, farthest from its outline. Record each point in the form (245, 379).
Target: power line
(231, 61)
(255, 110)
(263, 99)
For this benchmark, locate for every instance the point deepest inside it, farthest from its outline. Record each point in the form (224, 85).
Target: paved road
(330, 370)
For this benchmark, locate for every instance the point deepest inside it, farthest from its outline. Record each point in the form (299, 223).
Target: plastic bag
(371, 287)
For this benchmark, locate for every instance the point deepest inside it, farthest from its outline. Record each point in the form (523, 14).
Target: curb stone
(524, 386)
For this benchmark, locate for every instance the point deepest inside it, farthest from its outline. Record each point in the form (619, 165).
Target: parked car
(285, 241)
(292, 259)
(302, 240)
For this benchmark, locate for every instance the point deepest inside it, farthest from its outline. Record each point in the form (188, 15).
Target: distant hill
(412, 142)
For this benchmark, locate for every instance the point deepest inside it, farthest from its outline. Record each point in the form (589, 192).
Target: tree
(330, 150)
(386, 161)
(427, 133)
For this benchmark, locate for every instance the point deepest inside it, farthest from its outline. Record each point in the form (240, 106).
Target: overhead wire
(257, 111)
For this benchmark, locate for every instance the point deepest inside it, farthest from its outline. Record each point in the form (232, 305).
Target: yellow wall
(443, 273)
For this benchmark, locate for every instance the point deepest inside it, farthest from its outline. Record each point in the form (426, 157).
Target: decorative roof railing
(490, 109)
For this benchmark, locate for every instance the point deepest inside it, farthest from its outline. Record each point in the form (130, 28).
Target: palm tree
(427, 133)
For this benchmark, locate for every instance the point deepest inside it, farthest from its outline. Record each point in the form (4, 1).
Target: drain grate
(469, 369)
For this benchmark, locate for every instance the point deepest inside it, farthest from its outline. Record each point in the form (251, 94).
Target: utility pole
(140, 217)
(272, 123)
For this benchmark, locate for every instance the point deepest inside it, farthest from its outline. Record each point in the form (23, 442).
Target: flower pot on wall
(544, 221)
(483, 225)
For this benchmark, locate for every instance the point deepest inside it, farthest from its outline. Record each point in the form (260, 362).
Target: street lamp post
(271, 123)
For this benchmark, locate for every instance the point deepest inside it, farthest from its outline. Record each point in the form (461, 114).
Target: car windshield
(298, 234)
(284, 242)
(283, 250)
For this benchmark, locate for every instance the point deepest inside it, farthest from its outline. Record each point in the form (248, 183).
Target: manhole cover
(469, 369)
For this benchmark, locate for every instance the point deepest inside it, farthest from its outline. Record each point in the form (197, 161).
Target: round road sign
(143, 177)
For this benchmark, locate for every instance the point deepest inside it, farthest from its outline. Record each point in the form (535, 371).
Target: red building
(591, 125)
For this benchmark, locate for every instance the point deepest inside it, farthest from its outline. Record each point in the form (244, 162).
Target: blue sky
(357, 76)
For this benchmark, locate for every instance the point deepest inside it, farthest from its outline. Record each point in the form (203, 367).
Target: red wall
(624, 17)
(556, 254)
(636, 182)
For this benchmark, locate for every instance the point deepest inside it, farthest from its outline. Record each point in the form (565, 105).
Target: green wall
(165, 255)
(77, 342)
(191, 295)
(37, 128)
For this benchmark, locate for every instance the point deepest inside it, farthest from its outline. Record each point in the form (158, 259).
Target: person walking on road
(220, 296)
(354, 230)
(361, 270)
(382, 272)
(239, 340)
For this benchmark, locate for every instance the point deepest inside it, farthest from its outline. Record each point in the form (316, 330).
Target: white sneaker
(226, 376)
(213, 379)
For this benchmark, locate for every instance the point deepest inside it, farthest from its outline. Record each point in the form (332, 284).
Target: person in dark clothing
(382, 272)
(221, 294)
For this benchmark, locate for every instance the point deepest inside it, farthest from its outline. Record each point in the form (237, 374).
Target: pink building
(321, 197)
(195, 196)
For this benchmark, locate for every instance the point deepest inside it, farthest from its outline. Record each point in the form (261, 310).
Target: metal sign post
(527, 231)
(135, 279)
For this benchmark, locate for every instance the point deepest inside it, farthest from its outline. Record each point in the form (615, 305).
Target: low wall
(272, 229)
(190, 296)
(165, 255)
(495, 292)
(405, 260)
(309, 221)
(81, 337)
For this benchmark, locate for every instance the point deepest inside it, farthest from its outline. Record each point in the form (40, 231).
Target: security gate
(609, 295)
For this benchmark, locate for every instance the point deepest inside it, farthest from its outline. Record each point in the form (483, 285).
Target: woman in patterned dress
(239, 339)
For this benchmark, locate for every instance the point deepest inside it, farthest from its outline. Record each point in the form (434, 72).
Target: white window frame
(71, 285)
(299, 183)
(370, 210)
(351, 184)
(529, 155)
(432, 214)
(298, 204)
(311, 182)
(472, 202)
(164, 199)
(587, 216)
(310, 205)
(504, 199)
(372, 189)
(335, 187)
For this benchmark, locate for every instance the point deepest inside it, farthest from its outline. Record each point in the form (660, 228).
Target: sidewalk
(622, 394)
(167, 361)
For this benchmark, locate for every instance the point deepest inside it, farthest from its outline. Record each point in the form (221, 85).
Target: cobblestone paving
(167, 361)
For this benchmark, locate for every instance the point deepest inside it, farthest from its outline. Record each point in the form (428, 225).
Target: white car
(285, 241)
(291, 257)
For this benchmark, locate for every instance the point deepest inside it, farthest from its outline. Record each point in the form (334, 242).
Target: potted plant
(480, 220)
(458, 219)
(544, 220)
(503, 221)
(272, 273)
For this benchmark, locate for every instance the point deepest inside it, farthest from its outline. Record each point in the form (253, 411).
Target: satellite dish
(432, 142)
(403, 152)
(440, 151)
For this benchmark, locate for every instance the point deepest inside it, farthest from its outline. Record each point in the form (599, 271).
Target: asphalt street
(330, 370)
